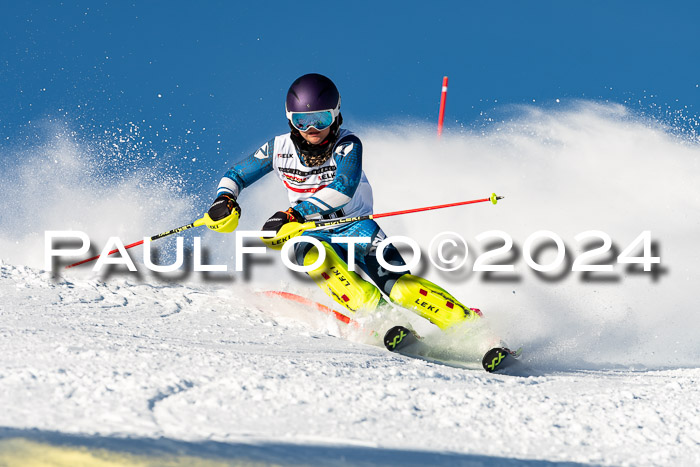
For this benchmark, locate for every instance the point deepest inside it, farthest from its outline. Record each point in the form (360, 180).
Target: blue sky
(208, 79)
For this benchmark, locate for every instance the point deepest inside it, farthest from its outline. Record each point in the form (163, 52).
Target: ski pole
(196, 223)
(292, 229)
(311, 225)
(343, 220)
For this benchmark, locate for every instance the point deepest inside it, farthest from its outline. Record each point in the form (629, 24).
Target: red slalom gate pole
(443, 98)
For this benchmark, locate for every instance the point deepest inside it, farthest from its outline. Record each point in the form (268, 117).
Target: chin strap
(313, 155)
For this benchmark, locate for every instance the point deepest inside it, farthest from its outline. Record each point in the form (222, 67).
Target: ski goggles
(320, 119)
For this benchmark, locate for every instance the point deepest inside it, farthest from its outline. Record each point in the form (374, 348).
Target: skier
(320, 164)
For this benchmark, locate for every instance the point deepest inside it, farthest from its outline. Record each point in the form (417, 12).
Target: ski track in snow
(200, 364)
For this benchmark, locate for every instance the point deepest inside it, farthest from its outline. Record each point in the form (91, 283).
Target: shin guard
(344, 286)
(430, 301)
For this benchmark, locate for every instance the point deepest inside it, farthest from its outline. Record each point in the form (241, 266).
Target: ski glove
(280, 218)
(222, 207)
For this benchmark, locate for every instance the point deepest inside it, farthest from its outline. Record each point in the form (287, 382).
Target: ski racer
(320, 164)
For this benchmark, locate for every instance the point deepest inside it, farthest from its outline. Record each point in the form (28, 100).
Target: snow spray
(588, 167)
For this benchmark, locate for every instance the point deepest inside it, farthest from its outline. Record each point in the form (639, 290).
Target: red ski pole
(196, 223)
(325, 223)
(292, 229)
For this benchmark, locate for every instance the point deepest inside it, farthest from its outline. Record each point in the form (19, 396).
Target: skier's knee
(384, 278)
(344, 286)
(302, 249)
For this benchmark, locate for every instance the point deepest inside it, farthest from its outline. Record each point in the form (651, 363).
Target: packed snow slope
(188, 364)
(207, 364)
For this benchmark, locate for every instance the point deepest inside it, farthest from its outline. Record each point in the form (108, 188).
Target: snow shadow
(149, 451)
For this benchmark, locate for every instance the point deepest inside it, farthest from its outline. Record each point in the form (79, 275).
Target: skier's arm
(247, 171)
(348, 157)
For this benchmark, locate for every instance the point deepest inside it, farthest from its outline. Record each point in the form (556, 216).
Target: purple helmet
(314, 93)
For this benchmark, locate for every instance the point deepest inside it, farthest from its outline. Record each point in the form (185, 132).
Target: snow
(199, 363)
